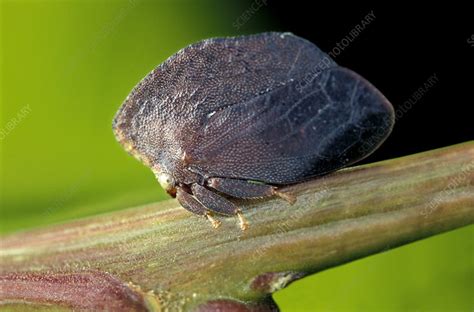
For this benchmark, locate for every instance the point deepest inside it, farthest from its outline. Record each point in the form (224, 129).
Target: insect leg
(217, 203)
(247, 189)
(191, 204)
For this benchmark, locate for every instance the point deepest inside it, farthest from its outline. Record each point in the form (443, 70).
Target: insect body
(225, 113)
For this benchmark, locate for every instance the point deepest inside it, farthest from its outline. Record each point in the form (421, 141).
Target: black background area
(398, 51)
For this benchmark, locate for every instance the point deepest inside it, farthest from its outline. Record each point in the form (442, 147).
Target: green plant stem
(161, 257)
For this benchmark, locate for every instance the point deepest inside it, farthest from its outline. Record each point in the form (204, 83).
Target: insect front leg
(191, 204)
(217, 203)
(247, 189)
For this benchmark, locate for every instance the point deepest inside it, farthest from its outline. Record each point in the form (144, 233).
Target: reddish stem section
(91, 290)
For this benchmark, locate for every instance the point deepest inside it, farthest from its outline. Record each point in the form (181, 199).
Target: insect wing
(165, 111)
(293, 133)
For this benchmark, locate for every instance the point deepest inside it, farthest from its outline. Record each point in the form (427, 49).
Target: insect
(240, 117)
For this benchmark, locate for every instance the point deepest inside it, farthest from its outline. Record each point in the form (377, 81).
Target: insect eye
(166, 181)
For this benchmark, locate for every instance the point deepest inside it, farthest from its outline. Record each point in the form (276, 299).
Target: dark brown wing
(290, 134)
(164, 111)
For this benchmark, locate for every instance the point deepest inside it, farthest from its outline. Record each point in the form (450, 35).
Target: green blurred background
(66, 66)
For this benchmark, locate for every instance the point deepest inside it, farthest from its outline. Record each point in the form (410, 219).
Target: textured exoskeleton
(239, 117)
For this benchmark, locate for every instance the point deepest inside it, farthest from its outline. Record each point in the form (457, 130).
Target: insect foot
(215, 223)
(243, 223)
(290, 198)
